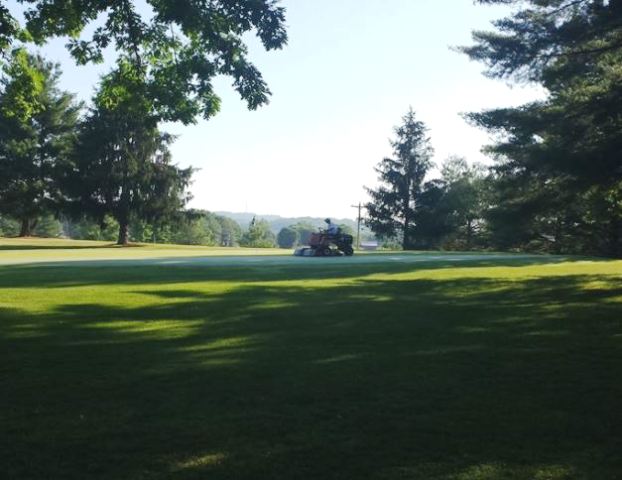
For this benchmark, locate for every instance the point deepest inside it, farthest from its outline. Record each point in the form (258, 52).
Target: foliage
(199, 227)
(8, 226)
(287, 237)
(466, 200)
(304, 231)
(391, 211)
(545, 40)
(48, 226)
(433, 217)
(193, 231)
(84, 228)
(230, 232)
(347, 229)
(258, 235)
(122, 164)
(558, 165)
(37, 132)
(179, 46)
(190, 227)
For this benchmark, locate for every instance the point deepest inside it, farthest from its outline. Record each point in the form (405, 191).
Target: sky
(350, 71)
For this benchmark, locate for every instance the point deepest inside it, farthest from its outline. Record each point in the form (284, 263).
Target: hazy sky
(349, 73)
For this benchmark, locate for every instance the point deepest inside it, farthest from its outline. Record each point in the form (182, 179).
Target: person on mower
(332, 229)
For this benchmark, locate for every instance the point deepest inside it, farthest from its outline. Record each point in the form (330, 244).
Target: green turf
(499, 368)
(20, 250)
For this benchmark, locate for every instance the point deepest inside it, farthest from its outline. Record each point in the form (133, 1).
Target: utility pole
(358, 226)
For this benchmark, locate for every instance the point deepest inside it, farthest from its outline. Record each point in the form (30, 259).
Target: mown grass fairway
(486, 368)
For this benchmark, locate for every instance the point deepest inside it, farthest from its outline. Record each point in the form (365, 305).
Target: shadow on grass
(175, 269)
(54, 247)
(467, 378)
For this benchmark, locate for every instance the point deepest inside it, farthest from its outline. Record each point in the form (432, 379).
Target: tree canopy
(547, 38)
(178, 47)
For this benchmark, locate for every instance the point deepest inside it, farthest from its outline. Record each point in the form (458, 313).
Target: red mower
(327, 243)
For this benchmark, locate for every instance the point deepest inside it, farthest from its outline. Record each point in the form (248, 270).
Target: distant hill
(277, 222)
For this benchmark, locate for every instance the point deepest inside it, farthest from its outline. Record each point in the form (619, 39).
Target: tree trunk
(405, 240)
(25, 230)
(123, 233)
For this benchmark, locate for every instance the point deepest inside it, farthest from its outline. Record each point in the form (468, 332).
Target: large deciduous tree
(391, 211)
(558, 156)
(122, 165)
(37, 132)
(180, 45)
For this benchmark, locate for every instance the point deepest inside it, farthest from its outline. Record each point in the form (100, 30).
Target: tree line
(556, 181)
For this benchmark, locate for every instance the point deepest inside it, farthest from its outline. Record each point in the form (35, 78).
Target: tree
(179, 46)
(304, 230)
(564, 151)
(465, 198)
(122, 164)
(84, 228)
(544, 40)
(37, 132)
(8, 226)
(393, 204)
(287, 237)
(49, 227)
(230, 232)
(191, 228)
(258, 235)
(433, 220)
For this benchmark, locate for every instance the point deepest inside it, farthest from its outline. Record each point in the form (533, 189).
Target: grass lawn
(19, 250)
(494, 368)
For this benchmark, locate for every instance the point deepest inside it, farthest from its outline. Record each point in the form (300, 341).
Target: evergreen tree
(122, 165)
(391, 212)
(465, 199)
(432, 217)
(559, 156)
(37, 132)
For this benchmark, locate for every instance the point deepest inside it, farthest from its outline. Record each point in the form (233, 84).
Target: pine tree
(122, 165)
(558, 155)
(391, 211)
(37, 133)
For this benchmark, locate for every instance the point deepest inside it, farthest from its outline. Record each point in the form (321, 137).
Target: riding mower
(321, 243)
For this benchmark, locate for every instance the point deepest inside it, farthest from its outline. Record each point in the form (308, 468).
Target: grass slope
(490, 369)
(21, 250)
